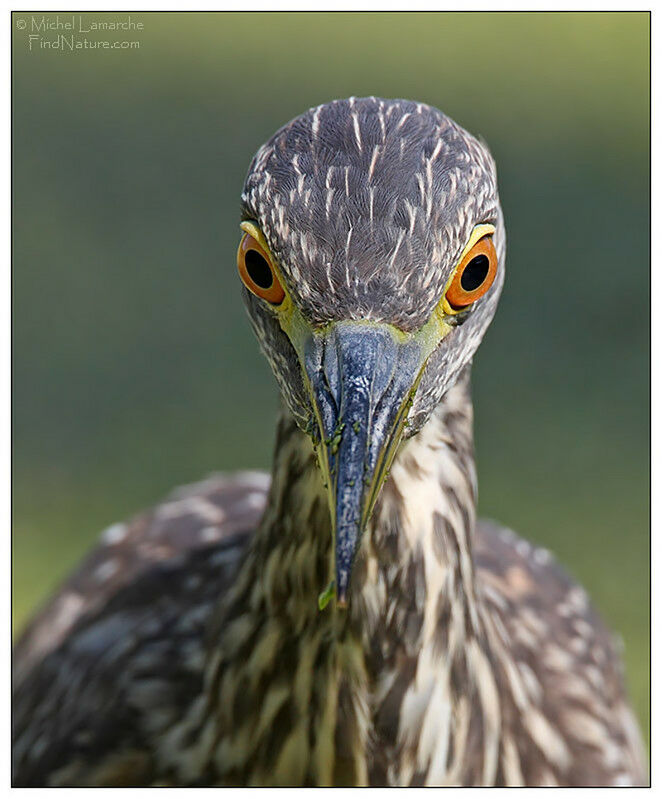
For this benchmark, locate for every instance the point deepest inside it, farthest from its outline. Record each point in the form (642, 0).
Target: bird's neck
(417, 544)
(416, 609)
(315, 687)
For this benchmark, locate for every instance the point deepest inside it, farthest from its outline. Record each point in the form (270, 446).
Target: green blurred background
(134, 366)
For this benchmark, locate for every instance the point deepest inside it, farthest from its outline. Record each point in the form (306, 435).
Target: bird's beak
(362, 377)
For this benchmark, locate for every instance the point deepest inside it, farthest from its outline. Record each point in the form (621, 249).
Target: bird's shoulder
(564, 660)
(117, 656)
(537, 597)
(211, 514)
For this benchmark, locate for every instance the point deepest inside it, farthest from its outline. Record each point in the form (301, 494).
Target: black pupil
(258, 269)
(475, 273)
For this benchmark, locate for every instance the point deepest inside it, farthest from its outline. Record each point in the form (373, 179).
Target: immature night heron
(351, 623)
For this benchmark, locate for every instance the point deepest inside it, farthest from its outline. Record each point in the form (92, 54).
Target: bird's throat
(310, 688)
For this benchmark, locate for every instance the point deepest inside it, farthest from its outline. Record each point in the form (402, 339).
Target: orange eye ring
(474, 275)
(256, 271)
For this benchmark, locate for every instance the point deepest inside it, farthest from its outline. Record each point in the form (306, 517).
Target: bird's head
(372, 261)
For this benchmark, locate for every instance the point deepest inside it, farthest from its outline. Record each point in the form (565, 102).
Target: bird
(346, 620)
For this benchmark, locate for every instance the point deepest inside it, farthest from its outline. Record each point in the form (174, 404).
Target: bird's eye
(474, 275)
(256, 271)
